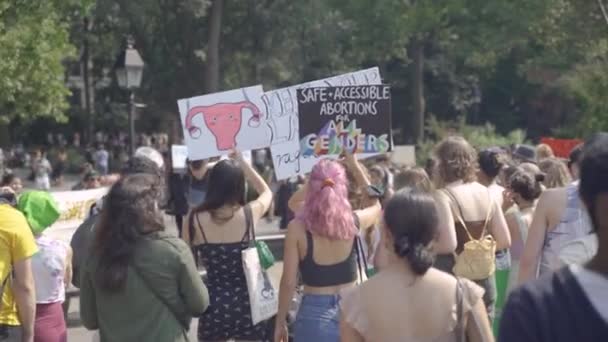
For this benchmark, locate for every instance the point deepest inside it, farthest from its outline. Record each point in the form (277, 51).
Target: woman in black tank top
(324, 218)
(219, 230)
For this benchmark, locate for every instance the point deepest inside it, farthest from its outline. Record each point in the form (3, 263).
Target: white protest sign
(246, 157)
(282, 118)
(213, 124)
(404, 155)
(74, 207)
(179, 154)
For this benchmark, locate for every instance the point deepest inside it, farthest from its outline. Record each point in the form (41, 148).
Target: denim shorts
(318, 319)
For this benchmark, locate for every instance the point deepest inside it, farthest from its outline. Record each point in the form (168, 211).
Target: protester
(524, 154)
(467, 210)
(92, 181)
(544, 151)
(524, 189)
(286, 190)
(574, 161)
(12, 181)
(42, 169)
(220, 229)
(177, 204)
(51, 267)
(102, 158)
(17, 290)
(321, 245)
(491, 162)
(81, 240)
(556, 173)
(379, 177)
(569, 304)
(409, 300)
(60, 166)
(196, 182)
(414, 177)
(559, 218)
(137, 270)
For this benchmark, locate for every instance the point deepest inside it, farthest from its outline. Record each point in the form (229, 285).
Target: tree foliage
(537, 65)
(34, 44)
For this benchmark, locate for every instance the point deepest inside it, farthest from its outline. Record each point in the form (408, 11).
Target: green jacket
(165, 269)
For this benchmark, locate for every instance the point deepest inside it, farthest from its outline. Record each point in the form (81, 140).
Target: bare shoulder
(296, 229)
(439, 279)
(552, 202)
(553, 194)
(553, 199)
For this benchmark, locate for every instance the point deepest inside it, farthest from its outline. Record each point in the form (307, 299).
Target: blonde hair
(556, 173)
(414, 177)
(544, 151)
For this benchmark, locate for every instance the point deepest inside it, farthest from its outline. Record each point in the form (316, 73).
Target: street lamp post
(129, 68)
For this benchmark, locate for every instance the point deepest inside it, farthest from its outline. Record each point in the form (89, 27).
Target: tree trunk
(212, 67)
(86, 81)
(416, 52)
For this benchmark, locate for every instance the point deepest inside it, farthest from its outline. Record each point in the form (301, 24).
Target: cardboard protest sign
(74, 207)
(404, 155)
(282, 118)
(354, 118)
(215, 123)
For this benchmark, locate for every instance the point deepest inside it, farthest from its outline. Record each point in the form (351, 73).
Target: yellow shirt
(16, 243)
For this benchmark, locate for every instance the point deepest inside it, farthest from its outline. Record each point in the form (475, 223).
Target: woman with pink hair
(321, 244)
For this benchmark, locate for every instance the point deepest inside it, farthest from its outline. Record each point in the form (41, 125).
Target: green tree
(468, 37)
(35, 43)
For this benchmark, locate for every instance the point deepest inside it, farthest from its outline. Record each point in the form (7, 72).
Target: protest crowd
(503, 243)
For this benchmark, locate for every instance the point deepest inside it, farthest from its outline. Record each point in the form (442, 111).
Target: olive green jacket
(163, 291)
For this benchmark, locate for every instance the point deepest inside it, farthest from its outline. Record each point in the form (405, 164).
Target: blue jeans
(318, 319)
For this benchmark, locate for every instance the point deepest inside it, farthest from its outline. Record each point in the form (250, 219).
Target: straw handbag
(477, 260)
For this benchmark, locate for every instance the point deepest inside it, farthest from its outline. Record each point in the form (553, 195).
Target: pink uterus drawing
(223, 120)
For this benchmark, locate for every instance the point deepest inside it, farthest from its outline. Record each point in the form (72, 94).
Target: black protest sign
(355, 118)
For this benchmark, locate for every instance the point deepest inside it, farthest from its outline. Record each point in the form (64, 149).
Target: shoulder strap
(361, 266)
(185, 325)
(309, 247)
(356, 221)
(192, 231)
(200, 228)
(249, 224)
(459, 215)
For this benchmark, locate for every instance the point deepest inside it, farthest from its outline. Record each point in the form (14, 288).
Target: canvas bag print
(263, 298)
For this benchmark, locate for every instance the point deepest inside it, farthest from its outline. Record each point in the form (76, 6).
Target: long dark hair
(130, 210)
(226, 187)
(411, 217)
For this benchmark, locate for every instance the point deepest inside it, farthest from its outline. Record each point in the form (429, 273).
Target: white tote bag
(263, 298)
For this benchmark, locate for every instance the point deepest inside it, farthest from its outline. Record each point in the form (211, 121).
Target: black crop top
(317, 275)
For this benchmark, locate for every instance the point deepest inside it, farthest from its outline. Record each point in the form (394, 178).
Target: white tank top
(574, 224)
(48, 266)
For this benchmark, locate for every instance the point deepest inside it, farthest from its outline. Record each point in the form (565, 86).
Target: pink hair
(327, 211)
